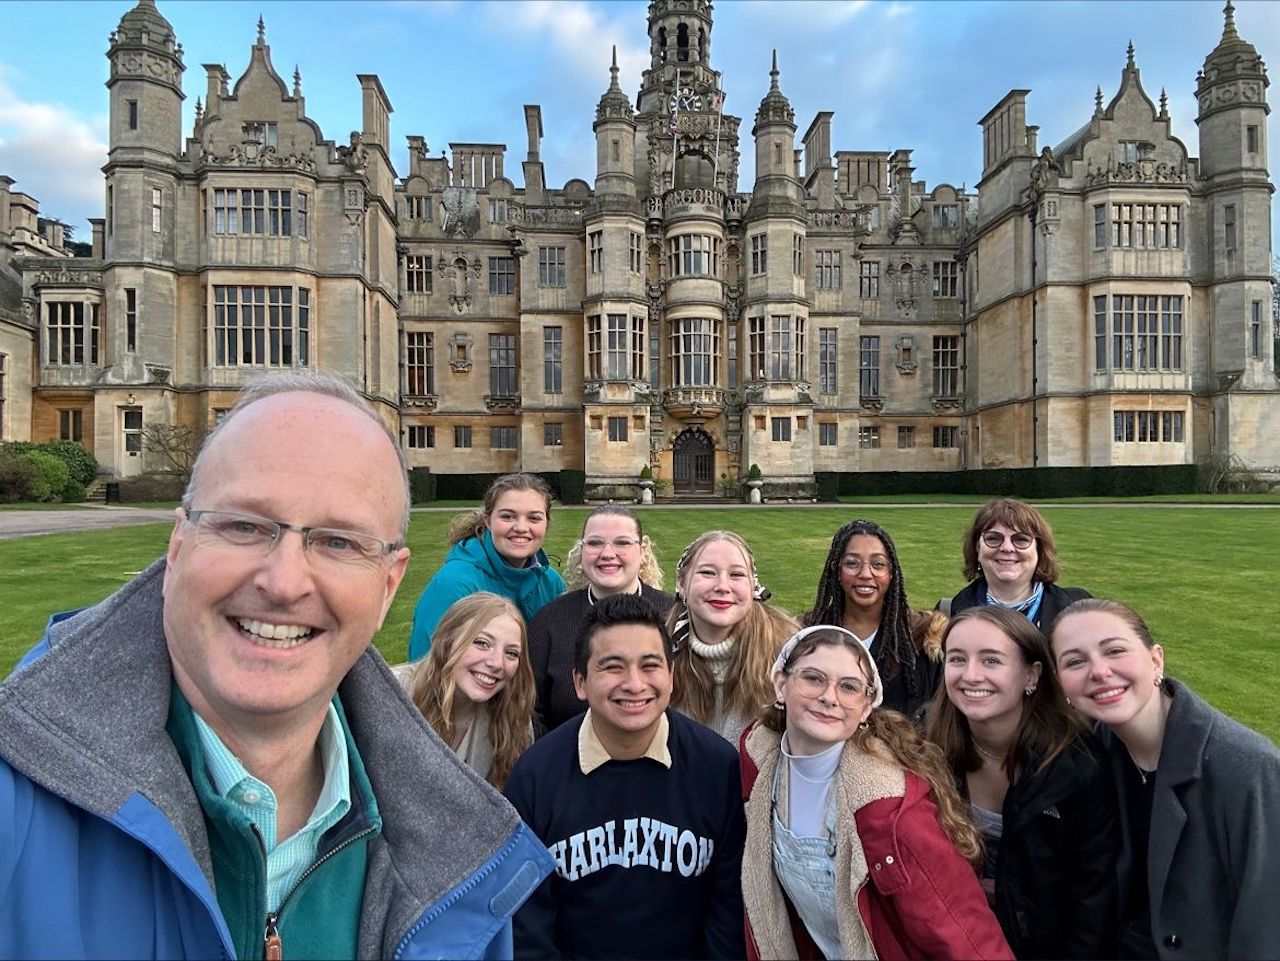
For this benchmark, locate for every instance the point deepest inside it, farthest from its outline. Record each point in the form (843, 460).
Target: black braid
(895, 646)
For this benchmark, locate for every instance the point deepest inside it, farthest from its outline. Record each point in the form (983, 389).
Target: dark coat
(926, 637)
(1056, 891)
(1212, 874)
(1053, 602)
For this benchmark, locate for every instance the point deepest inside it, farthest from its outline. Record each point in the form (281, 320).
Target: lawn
(1208, 605)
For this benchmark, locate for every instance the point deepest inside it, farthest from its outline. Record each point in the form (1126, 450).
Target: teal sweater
(475, 565)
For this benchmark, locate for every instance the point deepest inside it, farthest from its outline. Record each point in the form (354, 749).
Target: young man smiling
(640, 807)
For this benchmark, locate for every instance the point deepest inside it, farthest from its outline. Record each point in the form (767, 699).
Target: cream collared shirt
(592, 754)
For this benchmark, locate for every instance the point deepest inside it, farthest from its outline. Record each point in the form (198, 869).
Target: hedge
(1029, 482)
(80, 463)
(567, 486)
(422, 485)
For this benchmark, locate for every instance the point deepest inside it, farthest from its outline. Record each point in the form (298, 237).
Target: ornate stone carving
(945, 403)
(63, 277)
(502, 403)
(842, 219)
(871, 404)
(528, 214)
(422, 402)
(159, 375)
(136, 63)
(354, 157)
(251, 153)
(460, 345)
(1045, 172)
(1146, 171)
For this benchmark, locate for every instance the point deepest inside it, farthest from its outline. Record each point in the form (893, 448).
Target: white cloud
(580, 34)
(54, 154)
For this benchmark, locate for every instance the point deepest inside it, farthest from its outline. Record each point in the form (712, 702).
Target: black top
(1135, 926)
(1056, 891)
(552, 634)
(648, 858)
(1053, 601)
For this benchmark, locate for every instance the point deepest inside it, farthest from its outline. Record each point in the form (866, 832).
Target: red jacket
(921, 898)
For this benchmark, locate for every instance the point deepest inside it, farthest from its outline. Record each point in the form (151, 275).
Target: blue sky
(897, 74)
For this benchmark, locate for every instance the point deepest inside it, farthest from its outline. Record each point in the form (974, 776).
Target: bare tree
(178, 444)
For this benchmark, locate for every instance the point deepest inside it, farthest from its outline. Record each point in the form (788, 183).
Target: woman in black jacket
(862, 589)
(1011, 561)
(1036, 787)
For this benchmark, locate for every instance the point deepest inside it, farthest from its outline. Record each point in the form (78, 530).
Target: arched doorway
(693, 461)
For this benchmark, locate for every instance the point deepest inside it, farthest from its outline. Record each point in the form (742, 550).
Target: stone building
(1097, 303)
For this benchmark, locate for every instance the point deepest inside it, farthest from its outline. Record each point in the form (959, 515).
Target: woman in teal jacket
(496, 549)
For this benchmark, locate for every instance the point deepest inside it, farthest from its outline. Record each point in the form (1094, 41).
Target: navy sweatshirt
(648, 858)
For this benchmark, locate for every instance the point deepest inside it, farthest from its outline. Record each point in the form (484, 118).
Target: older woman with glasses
(613, 556)
(858, 845)
(1012, 561)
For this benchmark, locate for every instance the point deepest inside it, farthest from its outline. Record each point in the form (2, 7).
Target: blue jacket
(475, 565)
(103, 849)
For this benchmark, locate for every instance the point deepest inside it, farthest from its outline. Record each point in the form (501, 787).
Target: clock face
(685, 99)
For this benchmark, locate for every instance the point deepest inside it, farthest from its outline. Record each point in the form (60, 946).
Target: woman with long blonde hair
(726, 634)
(613, 556)
(858, 845)
(475, 687)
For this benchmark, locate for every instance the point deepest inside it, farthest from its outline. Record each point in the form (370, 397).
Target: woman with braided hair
(862, 590)
(726, 635)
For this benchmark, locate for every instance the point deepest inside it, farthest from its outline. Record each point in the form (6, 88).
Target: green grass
(26, 506)
(1202, 578)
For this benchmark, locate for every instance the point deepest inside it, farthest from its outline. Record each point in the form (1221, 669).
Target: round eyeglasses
(1018, 539)
(854, 565)
(850, 691)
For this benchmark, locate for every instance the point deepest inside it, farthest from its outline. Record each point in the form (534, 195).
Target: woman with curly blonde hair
(475, 687)
(726, 634)
(858, 845)
(613, 556)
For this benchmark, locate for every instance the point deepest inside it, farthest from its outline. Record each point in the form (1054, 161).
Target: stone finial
(262, 31)
(773, 72)
(1097, 100)
(1229, 22)
(297, 81)
(1129, 62)
(1164, 104)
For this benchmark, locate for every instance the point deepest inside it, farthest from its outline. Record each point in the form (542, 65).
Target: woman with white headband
(858, 845)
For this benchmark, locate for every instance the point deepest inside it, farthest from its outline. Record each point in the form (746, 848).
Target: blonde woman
(857, 841)
(475, 687)
(613, 556)
(726, 634)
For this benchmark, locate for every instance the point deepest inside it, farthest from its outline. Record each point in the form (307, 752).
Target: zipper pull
(272, 948)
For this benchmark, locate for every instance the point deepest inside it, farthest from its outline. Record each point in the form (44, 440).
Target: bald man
(213, 762)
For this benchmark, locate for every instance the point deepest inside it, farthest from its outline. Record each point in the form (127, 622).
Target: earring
(863, 726)
(1031, 689)
(777, 702)
(1159, 679)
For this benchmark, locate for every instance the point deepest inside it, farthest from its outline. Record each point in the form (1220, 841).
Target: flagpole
(675, 134)
(715, 169)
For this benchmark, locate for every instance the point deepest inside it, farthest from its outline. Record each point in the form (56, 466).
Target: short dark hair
(611, 611)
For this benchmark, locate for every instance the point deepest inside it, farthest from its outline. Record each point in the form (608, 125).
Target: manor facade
(1105, 301)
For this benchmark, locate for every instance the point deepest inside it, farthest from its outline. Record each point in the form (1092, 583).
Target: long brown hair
(476, 522)
(1016, 516)
(1048, 725)
(650, 570)
(433, 687)
(758, 638)
(889, 735)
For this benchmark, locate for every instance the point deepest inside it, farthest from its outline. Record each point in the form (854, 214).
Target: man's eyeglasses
(260, 534)
(854, 565)
(620, 544)
(850, 691)
(1018, 539)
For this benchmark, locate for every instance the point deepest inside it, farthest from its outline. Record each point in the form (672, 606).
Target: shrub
(80, 463)
(754, 472)
(72, 492)
(646, 473)
(573, 486)
(51, 476)
(16, 476)
(422, 485)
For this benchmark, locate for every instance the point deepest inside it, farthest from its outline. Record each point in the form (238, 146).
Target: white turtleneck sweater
(728, 724)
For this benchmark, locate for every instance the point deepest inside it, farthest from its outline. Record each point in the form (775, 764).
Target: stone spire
(615, 104)
(1129, 64)
(1097, 100)
(775, 107)
(297, 81)
(262, 31)
(1164, 104)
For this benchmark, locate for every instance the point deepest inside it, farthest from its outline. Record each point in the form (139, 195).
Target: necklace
(1144, 774)
(998, 758)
